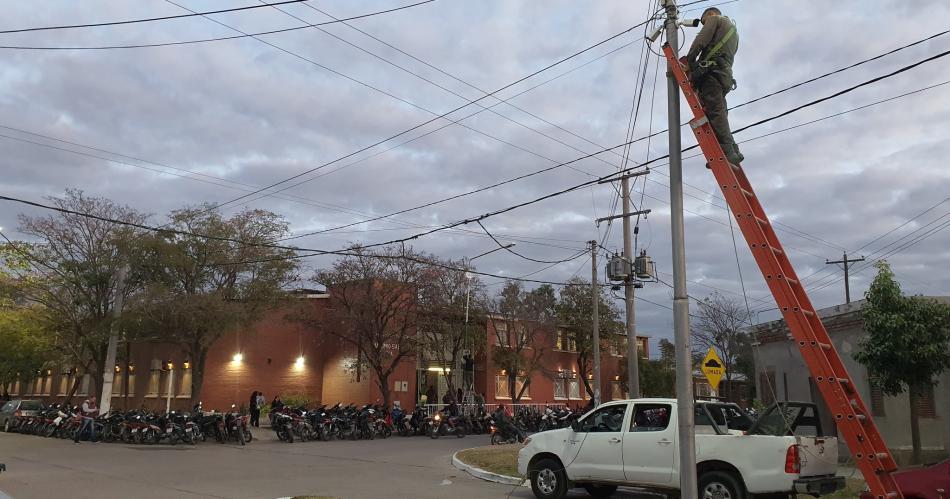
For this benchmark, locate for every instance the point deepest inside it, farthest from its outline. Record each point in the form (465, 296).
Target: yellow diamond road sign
(713, 369)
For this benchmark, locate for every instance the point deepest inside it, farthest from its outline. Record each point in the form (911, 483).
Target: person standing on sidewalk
(88, 414)
(255, 409)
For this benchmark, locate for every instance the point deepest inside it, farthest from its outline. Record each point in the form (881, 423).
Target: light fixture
(49, 372)
(131, 367)
(299, 363)
(616, 378)
(169, 365)
(117, 368)
(439, 369)
(238, 357)
(186, 364)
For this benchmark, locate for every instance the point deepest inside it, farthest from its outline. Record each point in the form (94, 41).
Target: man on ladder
(709, 63)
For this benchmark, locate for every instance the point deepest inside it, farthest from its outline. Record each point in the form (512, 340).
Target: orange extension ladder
(852, 417)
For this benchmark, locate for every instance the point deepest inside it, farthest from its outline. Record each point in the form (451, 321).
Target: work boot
(732, 153)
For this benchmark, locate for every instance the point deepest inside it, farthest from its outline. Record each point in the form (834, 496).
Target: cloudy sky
(209, 122)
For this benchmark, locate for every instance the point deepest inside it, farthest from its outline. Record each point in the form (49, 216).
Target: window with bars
(877, 402)
(560, 388)
(573, 389)
(566, 341)
(925, 402)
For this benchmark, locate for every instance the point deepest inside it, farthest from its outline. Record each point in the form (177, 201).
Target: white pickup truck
(634, 443)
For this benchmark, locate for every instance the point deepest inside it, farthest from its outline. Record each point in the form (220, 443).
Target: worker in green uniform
(709, 63)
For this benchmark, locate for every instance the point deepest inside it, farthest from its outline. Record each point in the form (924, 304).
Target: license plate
(135, 430)
(188, 430)
(168, 430)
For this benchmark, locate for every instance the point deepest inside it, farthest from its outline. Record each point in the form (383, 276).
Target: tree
(26, 344)
(373, 307)
(721, 325)
(73, 273)
(575, 314)
(908, 343)
(200, 288)
(520, 320)
(444, 303)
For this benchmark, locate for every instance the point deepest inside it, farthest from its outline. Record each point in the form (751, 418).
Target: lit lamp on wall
(299, 363)
(186, 365)
(238, 358)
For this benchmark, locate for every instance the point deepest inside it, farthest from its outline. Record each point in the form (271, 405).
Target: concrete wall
(792, 378)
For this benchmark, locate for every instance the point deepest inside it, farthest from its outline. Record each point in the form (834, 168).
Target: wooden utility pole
(108, 375)
(847, 284)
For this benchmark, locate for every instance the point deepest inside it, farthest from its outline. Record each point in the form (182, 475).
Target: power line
(289, 197)
(151, 19)
(205, 40)
(760, 122)
(438, 117)
(519, 255)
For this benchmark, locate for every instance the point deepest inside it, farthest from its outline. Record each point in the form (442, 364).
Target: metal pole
(633, 355)
(684, 387)
(108, 373)
(595, 314)
(171, 383)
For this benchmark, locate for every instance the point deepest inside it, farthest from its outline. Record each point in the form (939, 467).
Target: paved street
(401, 467)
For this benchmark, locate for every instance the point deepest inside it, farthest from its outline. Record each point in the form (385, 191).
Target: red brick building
(279, 355)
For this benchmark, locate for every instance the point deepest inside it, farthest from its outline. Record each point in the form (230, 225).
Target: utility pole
(847, 285)
(633, 350)
(684, 376)
(108, 375)
(595, 337)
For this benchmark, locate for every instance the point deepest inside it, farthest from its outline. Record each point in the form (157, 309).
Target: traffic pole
(684, 375)
(633, 353)
(108, 373)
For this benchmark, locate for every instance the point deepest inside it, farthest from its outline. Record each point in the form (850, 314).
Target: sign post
(713, 370)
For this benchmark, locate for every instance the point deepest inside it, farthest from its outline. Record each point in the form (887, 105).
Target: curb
(486, 475)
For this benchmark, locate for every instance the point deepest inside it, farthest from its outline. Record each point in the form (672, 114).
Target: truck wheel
(720, 485)
(548, 480)
(600, 490)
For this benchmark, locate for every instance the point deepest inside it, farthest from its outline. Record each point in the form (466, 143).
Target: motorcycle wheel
(322, 434)
(387, 432)
(434, 432)
(290, 437)
(496, 439)
(460, 432)
(247, 435)
(240, 436)
(188, 438)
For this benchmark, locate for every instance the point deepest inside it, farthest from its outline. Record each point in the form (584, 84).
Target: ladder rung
(825, 346)
(775, 250)
(809, 313)
(791, 281)
(882, 455)
(761, 221)
(746, 193)
(862, 417)
(893, 494)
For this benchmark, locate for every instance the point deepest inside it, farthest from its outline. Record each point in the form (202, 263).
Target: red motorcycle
(237, 426)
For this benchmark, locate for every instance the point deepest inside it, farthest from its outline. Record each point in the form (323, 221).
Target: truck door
(600, 454)
(649, 445)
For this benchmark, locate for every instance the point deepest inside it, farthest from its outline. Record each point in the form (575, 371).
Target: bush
(296, 400)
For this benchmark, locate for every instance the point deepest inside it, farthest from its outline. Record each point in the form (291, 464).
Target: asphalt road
(415, 467)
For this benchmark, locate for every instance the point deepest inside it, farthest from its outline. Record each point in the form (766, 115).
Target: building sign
(713, 369)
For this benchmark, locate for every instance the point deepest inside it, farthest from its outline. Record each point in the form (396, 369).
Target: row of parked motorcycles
(367, 422)
(139, 426)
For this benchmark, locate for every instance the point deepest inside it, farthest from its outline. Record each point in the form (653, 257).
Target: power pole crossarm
(847, 277)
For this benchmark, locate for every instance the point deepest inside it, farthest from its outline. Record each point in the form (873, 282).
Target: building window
(84, 385)
(64, 383)
(925, 402)
(184, 388)
(154, 381)
(501, 387)
(573, 389)
(565, 341)
(560, 388)
(877, 402)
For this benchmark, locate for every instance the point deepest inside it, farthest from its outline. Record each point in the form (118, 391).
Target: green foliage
(908, 342)
(657, 378)
(294, 399)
